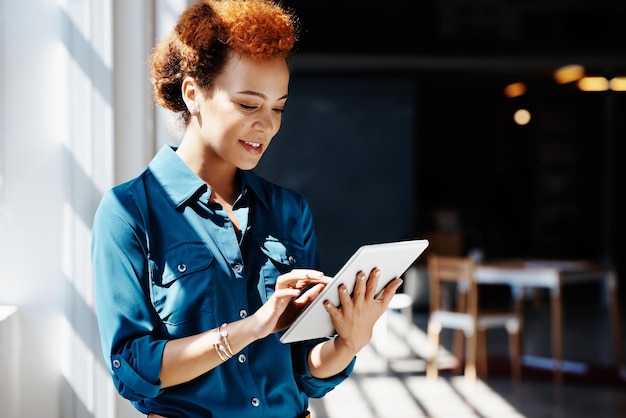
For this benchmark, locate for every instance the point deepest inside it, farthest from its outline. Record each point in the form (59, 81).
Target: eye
(247, 107)
(279, 110)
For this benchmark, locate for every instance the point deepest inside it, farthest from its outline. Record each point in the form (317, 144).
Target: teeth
(252, 144)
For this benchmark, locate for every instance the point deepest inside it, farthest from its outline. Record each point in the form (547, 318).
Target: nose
(267, 121)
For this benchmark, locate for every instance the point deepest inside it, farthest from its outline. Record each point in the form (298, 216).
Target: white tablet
(392, 259)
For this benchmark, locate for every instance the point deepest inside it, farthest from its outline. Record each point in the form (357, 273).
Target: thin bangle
(224, 337)
(219, 349)
(224, 351)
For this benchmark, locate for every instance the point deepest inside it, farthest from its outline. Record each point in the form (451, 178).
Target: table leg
(614, 312)
(518, 307)
(557, 332)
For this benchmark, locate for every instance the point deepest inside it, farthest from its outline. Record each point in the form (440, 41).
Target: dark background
(397, 114)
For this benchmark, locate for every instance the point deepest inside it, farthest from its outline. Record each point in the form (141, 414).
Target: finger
(390, 290)
(309, 273)
(304, 283)
(332, 310)
(310, 294)
(372, 282)
(300, 278)
(286, 293)
(360, 286)
(344, 297)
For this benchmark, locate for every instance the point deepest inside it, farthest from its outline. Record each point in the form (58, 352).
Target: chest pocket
(182, 287)
(282, 257)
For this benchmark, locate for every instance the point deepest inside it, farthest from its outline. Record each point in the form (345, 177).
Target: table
(553, 275)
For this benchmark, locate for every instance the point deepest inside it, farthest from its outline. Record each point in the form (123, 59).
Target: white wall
(76, 117)
(34, 123)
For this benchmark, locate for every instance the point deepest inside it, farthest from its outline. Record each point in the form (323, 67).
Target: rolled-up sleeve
(313, 386)
(127, 322)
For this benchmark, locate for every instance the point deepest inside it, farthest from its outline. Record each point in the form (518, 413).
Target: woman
(199, 264)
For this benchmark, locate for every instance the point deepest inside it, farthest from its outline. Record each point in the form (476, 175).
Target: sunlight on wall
(75, 233)
(87, 155)
(57, 157)
(9, 359)
(90, 383)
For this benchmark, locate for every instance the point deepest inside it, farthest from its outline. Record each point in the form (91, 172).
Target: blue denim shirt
(168, 264)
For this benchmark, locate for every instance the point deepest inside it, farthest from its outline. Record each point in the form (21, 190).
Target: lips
(252, 147)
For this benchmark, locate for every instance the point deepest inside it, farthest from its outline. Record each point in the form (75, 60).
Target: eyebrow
(261, 95)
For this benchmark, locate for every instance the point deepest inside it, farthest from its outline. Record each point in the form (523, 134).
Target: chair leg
(432, 368)
(457, 349)
(470, 357)
(515, 353)
(482, 359)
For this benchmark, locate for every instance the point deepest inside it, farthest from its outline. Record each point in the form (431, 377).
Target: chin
(248, 165)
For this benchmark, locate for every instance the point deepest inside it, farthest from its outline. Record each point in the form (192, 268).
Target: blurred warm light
(569, 73)
(618, 83)
(514, 90)
(521, 117)
(593, 84)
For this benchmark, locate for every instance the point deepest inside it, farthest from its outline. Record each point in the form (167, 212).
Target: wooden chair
(466, 318)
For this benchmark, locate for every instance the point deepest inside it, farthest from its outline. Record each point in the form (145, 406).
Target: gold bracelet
(219, 353)
(224, 337)
(223, 350)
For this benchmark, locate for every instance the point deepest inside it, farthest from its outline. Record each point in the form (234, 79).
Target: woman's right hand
(288, 300)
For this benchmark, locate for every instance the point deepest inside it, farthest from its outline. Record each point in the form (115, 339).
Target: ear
(190, 92)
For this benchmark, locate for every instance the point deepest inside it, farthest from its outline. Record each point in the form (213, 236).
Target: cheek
(227, 123)
(277, 124)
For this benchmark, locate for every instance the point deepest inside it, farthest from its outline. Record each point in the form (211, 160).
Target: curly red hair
(206, 32)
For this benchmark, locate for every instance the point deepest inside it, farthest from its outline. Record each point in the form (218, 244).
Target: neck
(221, 177)
(225, 194)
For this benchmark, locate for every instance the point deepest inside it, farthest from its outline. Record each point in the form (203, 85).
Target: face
(242, 113)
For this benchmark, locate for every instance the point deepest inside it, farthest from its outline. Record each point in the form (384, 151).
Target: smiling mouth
(252, 144)
(255, 148)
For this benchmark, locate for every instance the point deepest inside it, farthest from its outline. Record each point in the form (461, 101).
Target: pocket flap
(280, 252)
(184, 259)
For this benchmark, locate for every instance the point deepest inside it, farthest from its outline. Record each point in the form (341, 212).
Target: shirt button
(241, 358)
(116, 364)
(291, 259)
(238, 268)
(255, 402)
(243, 313)
(182, 267)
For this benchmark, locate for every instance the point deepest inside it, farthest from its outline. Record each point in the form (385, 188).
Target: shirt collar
(180, 183)
(252, 182)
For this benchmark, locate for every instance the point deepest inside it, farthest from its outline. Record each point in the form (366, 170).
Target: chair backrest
(459, 271)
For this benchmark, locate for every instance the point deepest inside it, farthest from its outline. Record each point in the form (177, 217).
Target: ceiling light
(521, 117)
(593, 84)
(569, 73)
(514, 90)
(618, 83)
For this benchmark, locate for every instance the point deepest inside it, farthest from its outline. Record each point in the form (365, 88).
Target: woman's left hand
(354, 320)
